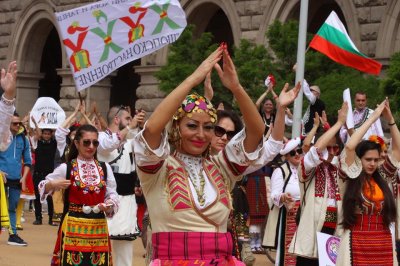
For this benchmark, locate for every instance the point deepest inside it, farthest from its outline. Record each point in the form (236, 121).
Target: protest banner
(47, 113)
(328, 249)
(103, 36)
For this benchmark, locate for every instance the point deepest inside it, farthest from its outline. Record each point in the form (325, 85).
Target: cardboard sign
(47, 113)
(328, 249)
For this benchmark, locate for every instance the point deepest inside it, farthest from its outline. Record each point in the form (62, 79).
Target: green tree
(391, 85)
(253, 63)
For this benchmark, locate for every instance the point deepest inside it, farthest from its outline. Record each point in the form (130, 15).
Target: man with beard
(116, 148)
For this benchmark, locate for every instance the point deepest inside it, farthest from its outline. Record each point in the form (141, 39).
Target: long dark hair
(73, 151)
(352, 196)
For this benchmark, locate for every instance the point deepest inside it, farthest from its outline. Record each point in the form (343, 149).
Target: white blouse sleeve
(61, 138)
(271, 149)
(236, 154)
(6, 113)
(58, 174)
(144, 155)
(111, 192)
(277, 183)
(353, 170)
(108, 143)
(308, 93)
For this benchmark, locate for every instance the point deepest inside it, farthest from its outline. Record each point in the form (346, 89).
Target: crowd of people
(203, 185)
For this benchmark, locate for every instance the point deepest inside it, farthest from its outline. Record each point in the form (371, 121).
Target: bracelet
(7, 101)
(392, 124)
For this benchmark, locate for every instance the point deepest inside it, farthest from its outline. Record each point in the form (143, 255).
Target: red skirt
(256, 195)
(29, 193)
(371, 242)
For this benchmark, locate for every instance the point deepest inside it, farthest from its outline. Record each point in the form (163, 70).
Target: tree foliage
(254, 62)
(391, 84)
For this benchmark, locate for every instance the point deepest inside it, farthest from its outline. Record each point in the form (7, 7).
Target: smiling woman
(89, 196)
(187, 193)
(369, 207)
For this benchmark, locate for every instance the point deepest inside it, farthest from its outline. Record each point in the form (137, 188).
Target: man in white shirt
(360, 114)
(116, 148)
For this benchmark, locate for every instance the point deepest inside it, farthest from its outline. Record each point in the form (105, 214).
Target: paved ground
(41, 242)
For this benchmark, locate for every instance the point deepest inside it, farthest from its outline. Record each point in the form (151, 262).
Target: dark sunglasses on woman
(299, 151)
(220, 131)
(87, 142)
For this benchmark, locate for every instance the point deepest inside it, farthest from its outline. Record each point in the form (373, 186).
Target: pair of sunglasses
(298, 151)
(122, 107)
(220, 131)
(16, 123)
(334, 148)
(87, 142)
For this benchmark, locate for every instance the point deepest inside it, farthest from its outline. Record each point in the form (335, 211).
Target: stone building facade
(28, 34)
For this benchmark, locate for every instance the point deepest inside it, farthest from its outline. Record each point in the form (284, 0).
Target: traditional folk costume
(256, 192)
(320, 204)
(360, 116)
(243, 236)
(316, 106)
(369, 242)
(189, 201)
(123, 225)
(83, 236)
(281, 224)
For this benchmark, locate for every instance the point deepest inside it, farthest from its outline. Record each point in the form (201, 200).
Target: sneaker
(15, 240)
(19, 227)
(37, 222)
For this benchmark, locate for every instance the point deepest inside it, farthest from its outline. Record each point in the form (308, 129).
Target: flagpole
(301, 48)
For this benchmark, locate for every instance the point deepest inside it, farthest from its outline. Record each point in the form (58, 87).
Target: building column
(148, 93)
(27, 91)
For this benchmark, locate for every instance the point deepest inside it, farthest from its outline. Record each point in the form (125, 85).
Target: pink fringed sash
(193, 248)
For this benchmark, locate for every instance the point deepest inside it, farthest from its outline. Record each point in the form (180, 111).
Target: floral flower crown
(378, 140)
(195, 103)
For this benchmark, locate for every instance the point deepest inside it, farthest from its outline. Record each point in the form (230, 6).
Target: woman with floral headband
(188, 192)
(370, 191)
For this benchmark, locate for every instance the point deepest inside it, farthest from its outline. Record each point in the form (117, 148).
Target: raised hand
(379, 109)
(316, 119)
(387, 112)
(228, 74)
(8, 80)
(287, 97)
(342, 113)
(208, 89)
(323, 118)
(206, 66)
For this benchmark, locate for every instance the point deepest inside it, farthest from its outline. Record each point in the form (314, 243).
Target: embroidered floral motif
(326, 172)
(89, 181)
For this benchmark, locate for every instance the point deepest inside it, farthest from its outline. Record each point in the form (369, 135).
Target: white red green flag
(333, 41)
(103, 36)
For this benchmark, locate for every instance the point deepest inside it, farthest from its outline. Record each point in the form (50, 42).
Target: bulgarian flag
(333, 41)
